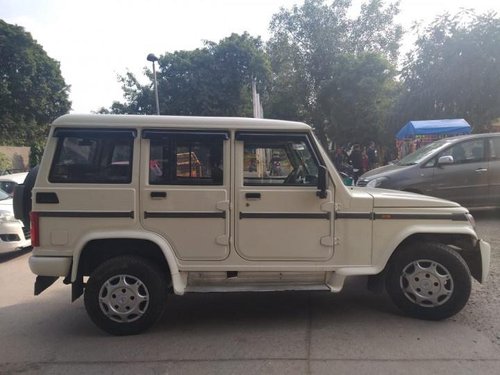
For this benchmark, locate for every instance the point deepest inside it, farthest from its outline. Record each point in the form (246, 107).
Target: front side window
(466, 152)
(93, 157)
(279, 162)
(183, 160)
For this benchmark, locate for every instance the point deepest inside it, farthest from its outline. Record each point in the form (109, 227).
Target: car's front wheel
(428, 281)
(126, 295)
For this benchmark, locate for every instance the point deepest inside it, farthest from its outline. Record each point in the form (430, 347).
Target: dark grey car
(463, 169)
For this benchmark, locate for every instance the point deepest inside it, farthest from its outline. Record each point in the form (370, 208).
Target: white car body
(12, 236)
(9, 181)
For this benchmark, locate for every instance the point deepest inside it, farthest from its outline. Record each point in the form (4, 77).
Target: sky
(97, 40)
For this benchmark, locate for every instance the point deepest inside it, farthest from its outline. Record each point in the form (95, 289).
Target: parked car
(12, 233)
(8, 182)
(463, 169)
(131, 208)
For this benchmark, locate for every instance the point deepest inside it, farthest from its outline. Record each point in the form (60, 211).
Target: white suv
(145, 206)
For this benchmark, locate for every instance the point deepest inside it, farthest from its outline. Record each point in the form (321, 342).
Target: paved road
(354, 332)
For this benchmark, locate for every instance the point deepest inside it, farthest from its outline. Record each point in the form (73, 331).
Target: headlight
(376, 182)
(6, 216)
(471, 219)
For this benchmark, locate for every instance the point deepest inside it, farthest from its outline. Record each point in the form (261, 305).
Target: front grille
(27, 233)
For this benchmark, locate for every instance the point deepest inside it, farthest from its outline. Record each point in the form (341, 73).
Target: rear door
(185, 194)
(278, 213)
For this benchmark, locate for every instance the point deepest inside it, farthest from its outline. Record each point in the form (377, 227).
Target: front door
(466, 180)
(186, 191)
(278, 213)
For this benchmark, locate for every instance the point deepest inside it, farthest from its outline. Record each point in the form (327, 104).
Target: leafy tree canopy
(211, 81)
(310, 49)
(454, 71)
(32, 89)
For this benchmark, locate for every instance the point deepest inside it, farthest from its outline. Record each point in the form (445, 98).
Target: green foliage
(32, 90)
(336, 73)
(454, 71)
(211, 81)
(355, 102)
(5, 162)
(310, 49)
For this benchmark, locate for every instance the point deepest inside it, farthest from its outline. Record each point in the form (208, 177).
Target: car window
(422, 153)
(494, 145)
(466, 152)
(8, 186)
(93, 157)
(3, 195)
(180, 159)
(279, 162)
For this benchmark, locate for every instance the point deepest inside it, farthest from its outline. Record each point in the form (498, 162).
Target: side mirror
(322, 182)
(444, 160)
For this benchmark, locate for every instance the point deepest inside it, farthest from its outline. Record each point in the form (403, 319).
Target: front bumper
(485, 249)
(12, 236)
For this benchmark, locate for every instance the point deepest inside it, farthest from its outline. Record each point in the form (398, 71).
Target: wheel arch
(465, 242)
(147, 245)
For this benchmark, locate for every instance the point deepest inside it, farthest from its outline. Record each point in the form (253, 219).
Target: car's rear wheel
(428, 281)
(126, 295)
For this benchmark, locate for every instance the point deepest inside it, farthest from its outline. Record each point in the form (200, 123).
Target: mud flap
(43, 282)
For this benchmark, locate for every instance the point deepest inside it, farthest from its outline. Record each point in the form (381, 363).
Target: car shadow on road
(5, 257)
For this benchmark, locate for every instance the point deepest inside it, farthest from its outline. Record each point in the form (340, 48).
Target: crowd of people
(354, 160)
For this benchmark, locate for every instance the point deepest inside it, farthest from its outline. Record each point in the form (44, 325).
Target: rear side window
(186, 158)
(92, 157)
(494, 144)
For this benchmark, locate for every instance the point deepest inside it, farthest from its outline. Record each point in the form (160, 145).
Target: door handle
(158, 194)
(481, 170)
(252, 195)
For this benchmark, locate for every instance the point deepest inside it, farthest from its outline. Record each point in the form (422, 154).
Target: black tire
(428, 281)
(22, 198)
(134, 293)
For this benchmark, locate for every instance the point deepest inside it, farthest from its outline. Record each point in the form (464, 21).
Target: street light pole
(151, 57)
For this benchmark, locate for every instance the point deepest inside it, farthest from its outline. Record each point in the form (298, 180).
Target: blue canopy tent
(415, 134)
(434, 127)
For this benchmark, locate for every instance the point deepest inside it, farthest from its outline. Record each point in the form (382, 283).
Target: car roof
(471, 136)
(178, 122)
(14, 177)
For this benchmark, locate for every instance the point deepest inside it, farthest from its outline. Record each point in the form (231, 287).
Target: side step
(262, 281)
(254, 288)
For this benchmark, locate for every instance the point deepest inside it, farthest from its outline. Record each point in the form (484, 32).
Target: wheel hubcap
(426, 283)
(124, 298)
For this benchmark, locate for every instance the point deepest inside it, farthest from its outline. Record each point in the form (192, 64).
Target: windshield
(3, 195)
(422, 153)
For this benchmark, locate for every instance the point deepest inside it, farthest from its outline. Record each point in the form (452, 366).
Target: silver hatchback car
(463, 169)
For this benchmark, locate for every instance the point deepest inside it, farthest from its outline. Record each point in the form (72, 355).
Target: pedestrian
(365, 161)
(372, 154)
(356, 162)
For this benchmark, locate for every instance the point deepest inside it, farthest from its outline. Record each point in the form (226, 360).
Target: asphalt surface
(354, 332)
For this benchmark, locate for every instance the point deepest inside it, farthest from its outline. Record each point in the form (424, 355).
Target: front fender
(385, 246)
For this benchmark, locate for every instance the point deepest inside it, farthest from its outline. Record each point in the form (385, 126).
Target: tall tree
(212, 81)
(308, 50)
(454, 71)
(32, 89)
(356, 101)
